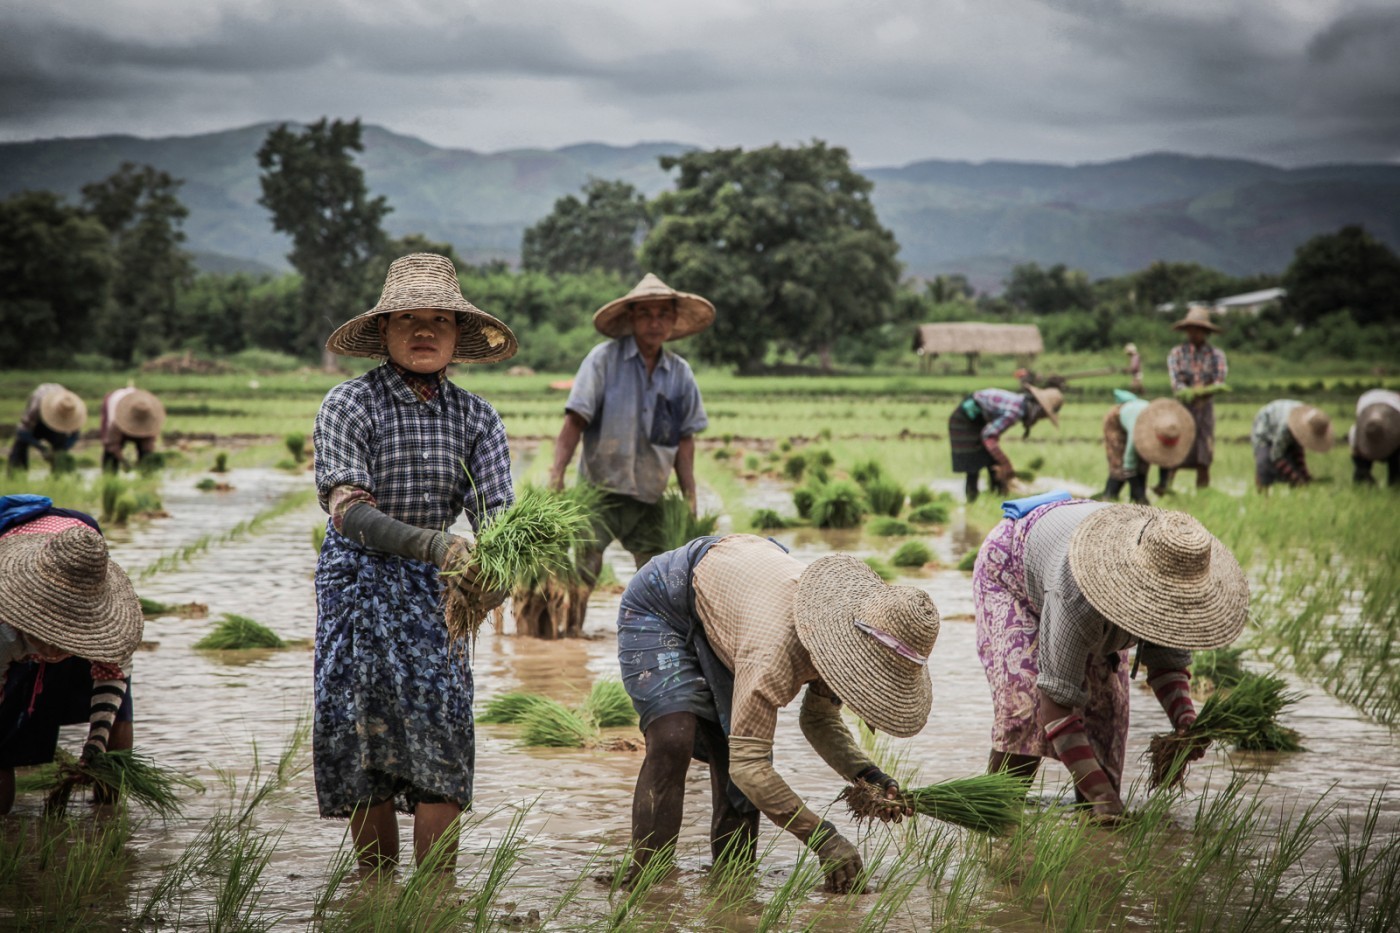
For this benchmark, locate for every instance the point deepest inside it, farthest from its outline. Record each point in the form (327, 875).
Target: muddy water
(210, 712)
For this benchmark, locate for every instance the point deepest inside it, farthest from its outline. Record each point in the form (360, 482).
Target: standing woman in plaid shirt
(1198, 371)
(401, 452)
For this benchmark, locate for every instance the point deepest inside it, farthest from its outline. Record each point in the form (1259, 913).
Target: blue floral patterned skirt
(393, 716)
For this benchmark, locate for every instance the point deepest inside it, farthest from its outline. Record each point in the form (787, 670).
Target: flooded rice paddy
(212, 714)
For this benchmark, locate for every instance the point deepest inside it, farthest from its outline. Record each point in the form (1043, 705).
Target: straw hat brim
(1299, 428)
(891, 693)
(1203, 321)
(97, 623)
(139, 414)
(1043, 398)
(1107, 566)
(1157, 415)
(693, 314)
(481, 338)
(1386, 438)
(63, 418)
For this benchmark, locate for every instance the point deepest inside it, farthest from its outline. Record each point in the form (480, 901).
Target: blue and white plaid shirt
(425, 462)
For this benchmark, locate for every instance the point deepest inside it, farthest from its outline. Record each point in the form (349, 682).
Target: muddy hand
(890, 786)
(840, 860)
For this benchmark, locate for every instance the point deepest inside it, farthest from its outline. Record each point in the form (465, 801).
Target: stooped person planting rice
(393, 693)
(975, 428)
(1137, 434)
(69, 623)
(1281, 433)
(715, 637)
(1062, 588)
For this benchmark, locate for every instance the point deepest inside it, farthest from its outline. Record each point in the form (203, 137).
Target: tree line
(784, 240)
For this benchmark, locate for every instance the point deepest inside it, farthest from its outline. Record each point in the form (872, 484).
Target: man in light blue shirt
(636, 407)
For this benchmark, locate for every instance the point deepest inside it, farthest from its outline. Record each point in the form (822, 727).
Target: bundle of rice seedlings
(764, 519)
(887, 527)
(551, 724)
(986, 803)
(63, 463)
(529, 542)
(930, 513)
(121, 772)
(803, 498)
(886, 497)
(839, 505)
(509, 707)
(296, 446)
(1245, 716)
(318, 536)
(920, 495)
(152, 608)
(1221, 667)
(207, 484)
(677, 527)
(883, 570)
(795, 466)
(609, 705)
(968, 561)
(868, 471)
(1036, 463)
(220, 463)
(239, 633)
(912, 554)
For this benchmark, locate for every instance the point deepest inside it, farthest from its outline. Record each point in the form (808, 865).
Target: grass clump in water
(1245, 716)
(608, 705)
(551, 724)
(883, 570)
(886, 497)
(114, 773)
(930, 513)
(968, 560)
(766, 519)
(803, 498)
(239, 633)
(840, 504)
(509, 707)
(1219, 667)
(912, 554)
(887, 527)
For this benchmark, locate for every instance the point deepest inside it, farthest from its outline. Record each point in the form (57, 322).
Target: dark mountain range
(977, 218)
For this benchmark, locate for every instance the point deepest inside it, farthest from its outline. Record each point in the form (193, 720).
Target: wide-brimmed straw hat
(1311, 427)
(426, 281)
(1160, 576)
(1377, 431)
(62, 410)
(1197, 316)
(1052, 400)
(869, 641)
(693, 313)
(138, 413)
(1164, 433)
(64, 589)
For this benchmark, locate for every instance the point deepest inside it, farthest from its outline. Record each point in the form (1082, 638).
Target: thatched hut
(974, 339)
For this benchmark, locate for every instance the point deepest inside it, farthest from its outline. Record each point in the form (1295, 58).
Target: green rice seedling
(885, 495)
(766, 519)
(296, 446)
(986, 803)
(886, 527)
(868, 471)
(151, 608)
(153, 463)
(883, 570)
(676, 526)
(608, 705)
(220, 463)
(1036, 464)
(795, 466)
(723, 453)
(63, 463)
(840, 504)
(239, 633)
(968, 561)
(207, 485)
(1219, 667)
(607, 580)
(115, 773)
(817, 474)
(318, 536)
(509, 707)
(1244, 716)
(912, 554)
(920, 495)
(803, 498)
(930, 513)
(550, 724)
(751, 463)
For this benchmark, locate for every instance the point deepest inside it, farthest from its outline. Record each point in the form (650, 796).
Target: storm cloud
(1284, 81)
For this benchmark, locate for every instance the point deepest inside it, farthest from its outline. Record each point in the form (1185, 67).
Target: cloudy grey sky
(1284, 81)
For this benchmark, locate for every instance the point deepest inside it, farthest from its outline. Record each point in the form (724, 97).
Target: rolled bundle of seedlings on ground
(551, 724)
(608, 705)
(1245, 716)
(112, 774)
(840, 504)
(526, 544)
(239, 633)
(986, 803)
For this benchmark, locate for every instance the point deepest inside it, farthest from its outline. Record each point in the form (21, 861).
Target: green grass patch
(912, 554)
(239, 633)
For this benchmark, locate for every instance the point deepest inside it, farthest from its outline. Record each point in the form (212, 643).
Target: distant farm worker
(1198, 372)
(975, 428)
(715, 637)
(1282, 431)
(70, 622)
(1376, 436)
(401, 452)
(1137, 434)
(637, 408)
(1134, 367)
(52, 420)
(1062, 589)
(129, 415)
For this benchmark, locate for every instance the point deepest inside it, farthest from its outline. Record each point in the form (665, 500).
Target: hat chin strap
(891, 642)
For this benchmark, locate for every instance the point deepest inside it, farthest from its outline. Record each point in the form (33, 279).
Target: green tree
(1046, 291)
(55, 267)
(140, 208)
(1349, 269)
(317, 195)
(784, 241)
(600, 232)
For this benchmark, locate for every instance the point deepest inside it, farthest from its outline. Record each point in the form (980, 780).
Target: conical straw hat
(1052, 400)
(1377, 432)
(139, 414)
(62, 410)
(426, 281)
(1164, 433)
(1161, 576)
(1311, 427)
(1197, 316)
(693, 313)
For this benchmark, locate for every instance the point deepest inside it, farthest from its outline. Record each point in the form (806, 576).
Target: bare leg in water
(659, 799)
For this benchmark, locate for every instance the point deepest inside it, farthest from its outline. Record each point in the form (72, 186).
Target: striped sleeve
(109, 688)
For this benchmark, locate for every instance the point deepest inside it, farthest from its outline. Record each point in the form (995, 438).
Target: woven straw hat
(1052, 400)
(62, 410)
(1164, 433)
(1197, 316)
(693, 313)
(1160, 575)
(64, 589)
(869, 641)
(1377, 431)
(426, 281)
(139, 414)
(1311, 427)
(1129, 348)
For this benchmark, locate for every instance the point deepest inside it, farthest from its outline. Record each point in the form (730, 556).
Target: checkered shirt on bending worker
(374, 433)
(1000, 408)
